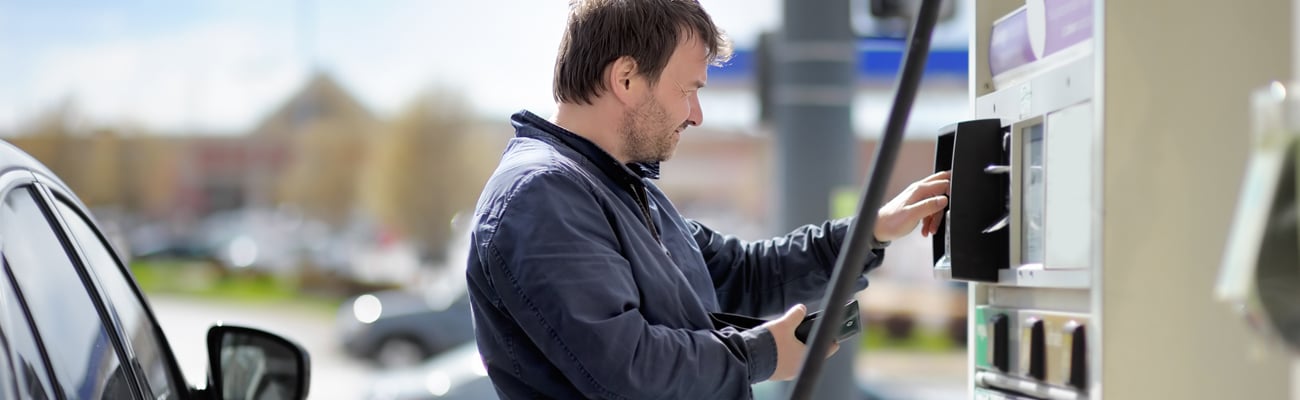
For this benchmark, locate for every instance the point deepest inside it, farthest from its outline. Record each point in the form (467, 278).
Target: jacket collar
(529, 125)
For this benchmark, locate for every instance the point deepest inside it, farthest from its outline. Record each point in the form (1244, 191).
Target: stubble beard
(647, 133)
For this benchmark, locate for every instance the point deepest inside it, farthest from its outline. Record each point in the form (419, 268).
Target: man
(585, 282)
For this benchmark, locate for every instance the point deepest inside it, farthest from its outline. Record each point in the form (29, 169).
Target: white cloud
(499, 55)
(225, 72)
(216, 77)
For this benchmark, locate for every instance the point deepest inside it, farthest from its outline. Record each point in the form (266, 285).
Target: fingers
(930, 188)
(927, 224)
(933, 221)
(794, 315)
(915, 205)
(797, 312)
(928, 207)
(942, 175)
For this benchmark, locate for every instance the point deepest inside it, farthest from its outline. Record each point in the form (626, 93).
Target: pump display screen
(1032, 195)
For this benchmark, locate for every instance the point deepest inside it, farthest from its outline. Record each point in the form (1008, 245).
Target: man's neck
(595, 123)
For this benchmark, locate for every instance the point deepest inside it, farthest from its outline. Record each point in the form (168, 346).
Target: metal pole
(856, 247)
(815, 61)
(1295, 75)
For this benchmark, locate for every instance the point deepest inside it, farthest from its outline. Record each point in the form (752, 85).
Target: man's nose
(696, 116)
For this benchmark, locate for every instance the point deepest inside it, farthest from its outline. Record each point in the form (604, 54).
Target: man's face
(652, 128)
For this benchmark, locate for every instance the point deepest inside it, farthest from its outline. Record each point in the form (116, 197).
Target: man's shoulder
(533, 170)
(531, 154)
(526, 159)
(533, 182)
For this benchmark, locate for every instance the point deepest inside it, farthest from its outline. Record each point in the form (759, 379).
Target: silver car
(74, 324)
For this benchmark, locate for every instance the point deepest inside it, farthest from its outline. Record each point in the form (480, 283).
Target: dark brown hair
(601, 31)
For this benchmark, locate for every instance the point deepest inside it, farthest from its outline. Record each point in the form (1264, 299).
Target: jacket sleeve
(556, 266)
(767, 277)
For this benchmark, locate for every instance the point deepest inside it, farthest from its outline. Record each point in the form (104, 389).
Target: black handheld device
(850, 323)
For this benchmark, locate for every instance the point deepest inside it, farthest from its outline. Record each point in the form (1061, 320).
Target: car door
(146, 347)
(82, 350)
(23, 371)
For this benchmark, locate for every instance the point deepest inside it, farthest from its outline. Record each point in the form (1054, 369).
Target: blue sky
(219, 65)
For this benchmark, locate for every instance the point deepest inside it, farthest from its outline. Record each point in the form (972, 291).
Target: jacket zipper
(642, 200)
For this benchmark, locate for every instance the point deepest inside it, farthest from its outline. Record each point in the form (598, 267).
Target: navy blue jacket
(585, 282)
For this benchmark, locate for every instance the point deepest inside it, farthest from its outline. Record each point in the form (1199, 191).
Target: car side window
(8, 381)
(141, 330)
(67, 323)
(23, 370)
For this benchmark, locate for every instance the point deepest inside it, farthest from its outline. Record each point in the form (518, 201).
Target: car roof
(12, 158)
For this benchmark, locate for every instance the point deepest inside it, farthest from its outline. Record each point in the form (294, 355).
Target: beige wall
(1175, 80)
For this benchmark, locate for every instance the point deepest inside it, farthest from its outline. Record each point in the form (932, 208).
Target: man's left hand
(922, 201)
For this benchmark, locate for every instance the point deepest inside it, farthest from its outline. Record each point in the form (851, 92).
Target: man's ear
(624, 81)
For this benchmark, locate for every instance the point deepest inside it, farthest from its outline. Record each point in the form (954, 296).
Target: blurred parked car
(74, 324)
(398, 328)
(171, 248)
(401, 328)
(268, 240)
(457, 374)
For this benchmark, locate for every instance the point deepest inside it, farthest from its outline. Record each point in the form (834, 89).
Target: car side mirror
(246, 363)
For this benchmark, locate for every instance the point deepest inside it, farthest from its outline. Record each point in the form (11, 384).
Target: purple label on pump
(1068, 22)
(1009, 43)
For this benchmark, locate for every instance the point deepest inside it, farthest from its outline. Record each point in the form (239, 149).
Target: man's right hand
(789, 350)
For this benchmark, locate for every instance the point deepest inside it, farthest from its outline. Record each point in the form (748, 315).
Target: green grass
(921, 340)
(207, 281)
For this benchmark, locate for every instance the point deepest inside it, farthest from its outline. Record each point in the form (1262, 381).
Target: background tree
(100, 173)
(151, 172)
(425, 168)
(51, 138)
(322, 178)
(328, 133)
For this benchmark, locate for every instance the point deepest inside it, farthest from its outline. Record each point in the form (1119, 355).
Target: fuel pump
(1089, 199)
(1022, 208)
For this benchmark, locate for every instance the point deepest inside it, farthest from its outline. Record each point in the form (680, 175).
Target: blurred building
(246, 171)
(184, 177)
